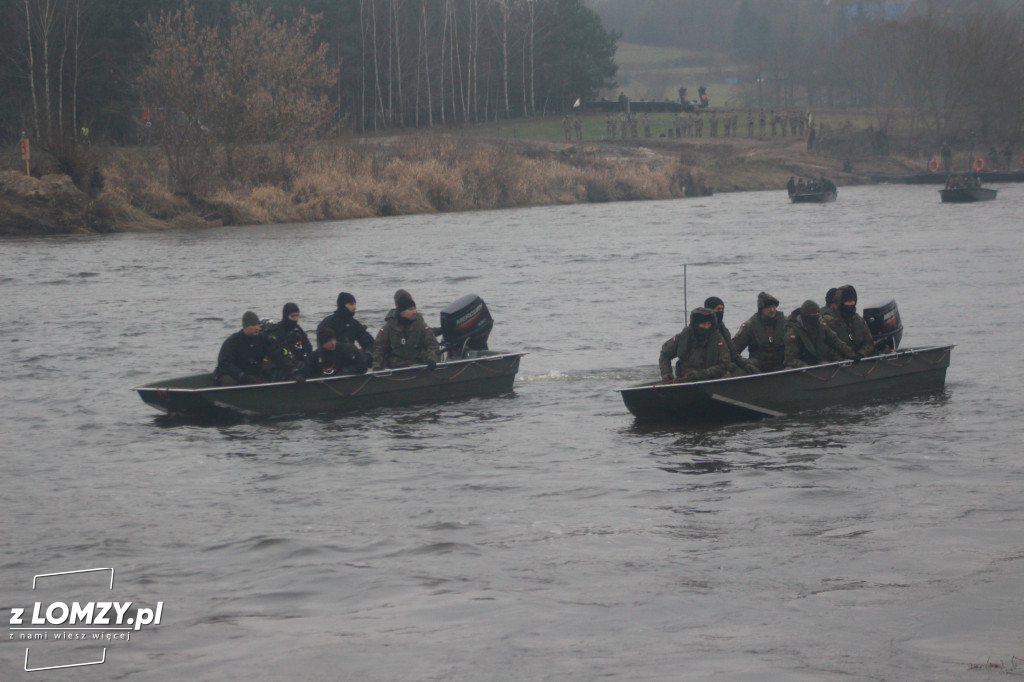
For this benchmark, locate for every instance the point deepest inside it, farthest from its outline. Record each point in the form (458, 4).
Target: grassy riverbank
(484, 167)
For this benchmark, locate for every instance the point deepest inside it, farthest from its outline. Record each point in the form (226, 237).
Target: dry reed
(339, 179)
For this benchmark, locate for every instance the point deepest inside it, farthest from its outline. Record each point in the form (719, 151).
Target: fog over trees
(71, 69)
(955, 66)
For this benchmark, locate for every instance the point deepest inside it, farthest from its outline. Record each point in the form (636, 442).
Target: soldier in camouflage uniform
(405, 338)
(831, 308)
(848, 325)
(764, 336)
(809, 342)
(717, 306)
(700, 351)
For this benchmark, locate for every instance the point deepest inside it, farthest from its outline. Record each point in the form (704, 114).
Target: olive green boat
(776, 394)
(476, 373)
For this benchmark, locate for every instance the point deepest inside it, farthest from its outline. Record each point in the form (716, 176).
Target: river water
(541, 535)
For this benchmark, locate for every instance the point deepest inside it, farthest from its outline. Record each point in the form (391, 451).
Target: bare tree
(263, 82)
(499, 18)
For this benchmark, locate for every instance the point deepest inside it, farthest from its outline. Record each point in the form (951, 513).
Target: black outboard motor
(465, 325)
(885, 325)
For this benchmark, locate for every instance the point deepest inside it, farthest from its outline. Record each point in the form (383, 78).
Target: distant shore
(426, 173)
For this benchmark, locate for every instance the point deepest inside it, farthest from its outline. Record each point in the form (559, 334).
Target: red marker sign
(25, 154)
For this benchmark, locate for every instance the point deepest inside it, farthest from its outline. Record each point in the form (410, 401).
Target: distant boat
(820, 191)
(963, 188)
(822, 197)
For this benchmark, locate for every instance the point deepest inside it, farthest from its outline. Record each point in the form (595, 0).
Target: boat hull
(939, 178)
(813, 197)
(967, 195)
(195, 396)
(774, 394)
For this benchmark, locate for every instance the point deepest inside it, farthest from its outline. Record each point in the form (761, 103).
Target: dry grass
(342, 180)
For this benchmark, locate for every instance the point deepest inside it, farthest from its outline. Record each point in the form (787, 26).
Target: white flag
(577, 104)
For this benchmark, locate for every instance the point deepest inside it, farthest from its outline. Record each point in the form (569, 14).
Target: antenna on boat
(686, 308)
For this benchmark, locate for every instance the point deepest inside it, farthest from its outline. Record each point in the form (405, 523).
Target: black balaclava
(345, 298)
(712, 302)
(287, 310)
(847, 293)
(702, 315)
(809, 314)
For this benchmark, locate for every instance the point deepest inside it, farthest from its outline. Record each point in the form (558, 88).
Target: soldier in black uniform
(241, 356)
(348, 331)
(332, 359)
(292, 340)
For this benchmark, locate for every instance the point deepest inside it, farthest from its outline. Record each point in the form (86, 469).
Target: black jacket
(344, 359)
(241, 357)
(347, 329)
(294, 342)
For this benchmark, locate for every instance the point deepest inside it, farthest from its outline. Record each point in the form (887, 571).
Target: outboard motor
(465, 325)
(885, 325)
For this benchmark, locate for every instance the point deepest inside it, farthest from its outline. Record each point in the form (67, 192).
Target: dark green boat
(479, 373)
(776, 394)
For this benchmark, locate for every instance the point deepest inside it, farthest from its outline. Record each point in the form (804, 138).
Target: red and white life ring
(933, 165)
(979, 164)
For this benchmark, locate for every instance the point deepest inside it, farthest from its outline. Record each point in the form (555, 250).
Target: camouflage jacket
(766, 344)
(697, 361)
(401, 343)
(853, 331)
(730, 343)
(813, 347)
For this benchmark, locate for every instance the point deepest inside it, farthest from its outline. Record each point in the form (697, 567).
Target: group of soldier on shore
(810, 335)
(631, 125)
(692, 124)
(281, 351)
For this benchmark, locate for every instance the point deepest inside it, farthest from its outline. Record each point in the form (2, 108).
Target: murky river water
(541, 535)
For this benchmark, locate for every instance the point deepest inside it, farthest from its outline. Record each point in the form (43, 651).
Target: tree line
(71, 68)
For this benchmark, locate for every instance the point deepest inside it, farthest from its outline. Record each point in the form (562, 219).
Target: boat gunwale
(322, 379)
(791, 370)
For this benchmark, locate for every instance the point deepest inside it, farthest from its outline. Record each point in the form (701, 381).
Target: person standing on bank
(848, 325)
(405, 339)
(699, 350)
(348, 331)
(764, 336)
(241, 356)
(809, 342)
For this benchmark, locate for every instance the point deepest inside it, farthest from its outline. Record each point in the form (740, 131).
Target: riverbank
(411, 174)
